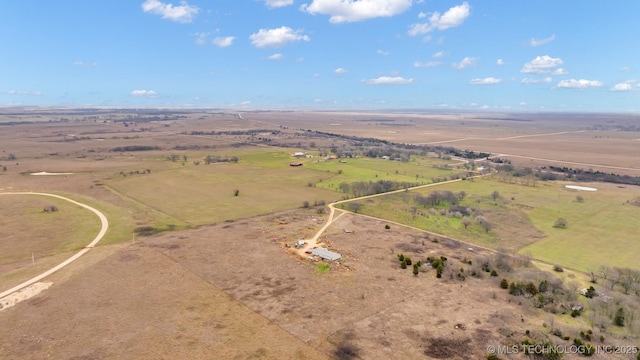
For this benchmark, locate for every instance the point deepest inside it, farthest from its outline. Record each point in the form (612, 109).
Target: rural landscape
(209, 233)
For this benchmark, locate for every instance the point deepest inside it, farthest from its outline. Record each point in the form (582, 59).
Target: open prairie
(606, 142)
(203, 207)
(522, 220)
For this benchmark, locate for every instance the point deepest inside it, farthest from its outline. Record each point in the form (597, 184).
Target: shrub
(584, 348)
(561, 223)
(494, 272)
(407, 260)
(531, 289)
(400, 257)
(575, 313)
(403, 264)
(504, 284)
(543, 287)
(619, 318)
(387, 227)
(557, 268)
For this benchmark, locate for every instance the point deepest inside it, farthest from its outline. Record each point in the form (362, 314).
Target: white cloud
(422, 15)
(484, 107)
(427, 64)
(539, 42)
(485, 81)
(276, 37)
(356, 10)
(560, 71)
(500, 62)
(625, 69)
(223, 41)
(465, 63)
(547, 79)
(439, 54)
(277, 3)
(183, 13)
(579, 84)
(522, 103)
(622, 87)
(340, 71)
(451, 18)
(148, 93)
(24, 92)
(382, 52)
(201, 37)
(82, 63)
(541, 65)
(276, 56)
(384, 80)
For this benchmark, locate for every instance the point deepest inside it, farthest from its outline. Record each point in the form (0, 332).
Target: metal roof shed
(325, 254)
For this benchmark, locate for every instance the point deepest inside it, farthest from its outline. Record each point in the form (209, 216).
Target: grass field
(195, 195)
(26, 228)
(601, 230)
(420, 170)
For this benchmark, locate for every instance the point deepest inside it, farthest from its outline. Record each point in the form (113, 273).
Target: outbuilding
(325, 254)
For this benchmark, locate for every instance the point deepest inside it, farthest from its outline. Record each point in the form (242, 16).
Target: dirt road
(103, 231)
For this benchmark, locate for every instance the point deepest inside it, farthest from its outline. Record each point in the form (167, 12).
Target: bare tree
(572, 290)
(495, 195)
(355, 206)
(579, 199)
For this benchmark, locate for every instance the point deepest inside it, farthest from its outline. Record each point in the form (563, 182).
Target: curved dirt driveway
(103, 230)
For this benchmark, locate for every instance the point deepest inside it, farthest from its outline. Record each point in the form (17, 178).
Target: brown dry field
(229, 291)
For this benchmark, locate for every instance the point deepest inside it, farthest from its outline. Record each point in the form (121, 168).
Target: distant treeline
(363, 188)
(423, 149)
(590, 175)
(234, 132)
(135, 148)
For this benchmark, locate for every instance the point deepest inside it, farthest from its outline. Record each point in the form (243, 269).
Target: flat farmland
(220, 278)
(584, 141)
(204, 194)
(417, 171)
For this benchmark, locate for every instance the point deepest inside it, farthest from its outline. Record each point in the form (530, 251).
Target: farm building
(325, 254)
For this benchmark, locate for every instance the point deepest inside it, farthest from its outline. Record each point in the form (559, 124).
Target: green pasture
(26, 228)
(602, 230)
(419, 170)
(192, 195)
(397, 207)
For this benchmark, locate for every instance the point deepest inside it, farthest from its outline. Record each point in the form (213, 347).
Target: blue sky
(323, 54)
